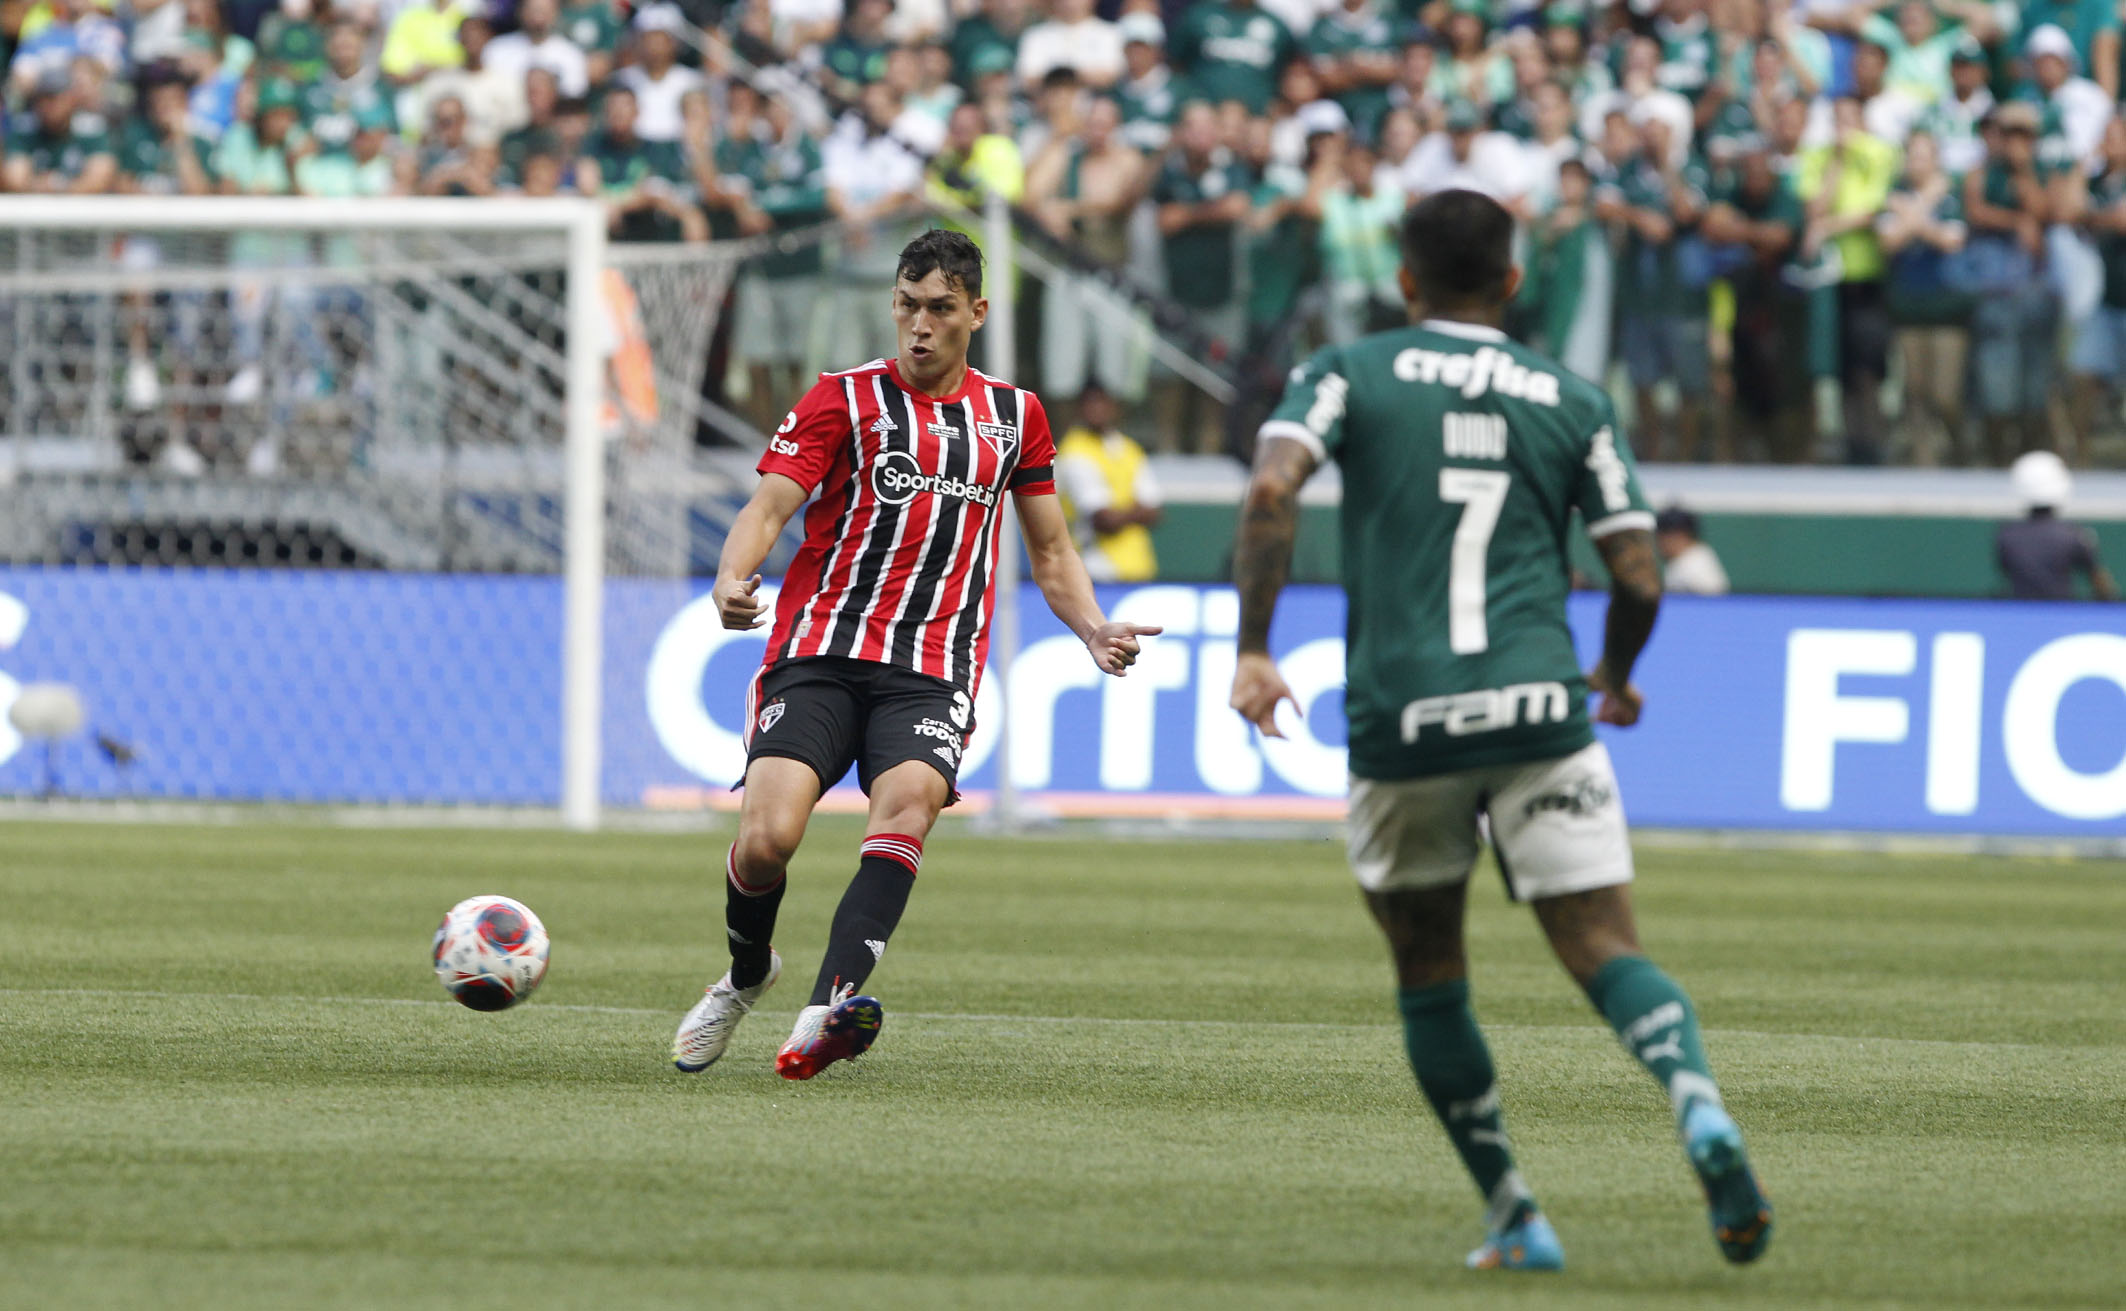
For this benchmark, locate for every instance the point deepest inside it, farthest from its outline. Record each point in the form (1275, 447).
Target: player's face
(934, 318)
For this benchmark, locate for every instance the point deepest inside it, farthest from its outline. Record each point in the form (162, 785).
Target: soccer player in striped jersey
(880, 630)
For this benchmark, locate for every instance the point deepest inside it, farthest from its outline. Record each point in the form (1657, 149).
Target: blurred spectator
(1922, 232)
(1570, 278)
(1146, 94)
(1083, 189)
(1232, 50)
(258, 156)
(359, 167)
(2007, 205)
(540, 130)
(538, 44)
(1076, 38)
(423, 39)
(644, 184)
(493, 99)
(214, 62)
(1202, 195)
(1469, 68)
(448, 162)
(774, 174)
(1356, 51)
(348, 89)
(2075, 108)
(873, 180)
(2041, 553)
(2098, 358)
(291, 43)
(1360, 221)
(597, 27)
(856, 57)
(76, 31)
(1688, 565)
(1661, 300)
(1954, 119)
(1845, 186)
(658, 80)
(2091, 26)
(975, 163)
(1282, 236)
(1752, 225)
(1465, 155)
(1110, 494)
(988, 41)
(59, 146)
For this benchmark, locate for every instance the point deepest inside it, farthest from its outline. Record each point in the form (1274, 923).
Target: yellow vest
(1129, 551)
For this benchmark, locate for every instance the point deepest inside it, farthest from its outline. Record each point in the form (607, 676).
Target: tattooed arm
(1262, 558)
(1634, 600)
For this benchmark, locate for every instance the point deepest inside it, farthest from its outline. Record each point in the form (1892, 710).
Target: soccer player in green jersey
(1465, 457)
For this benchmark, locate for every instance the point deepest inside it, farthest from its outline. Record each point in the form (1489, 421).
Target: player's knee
(764, 849)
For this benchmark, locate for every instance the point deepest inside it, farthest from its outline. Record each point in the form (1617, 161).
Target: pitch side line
(1108, 1021)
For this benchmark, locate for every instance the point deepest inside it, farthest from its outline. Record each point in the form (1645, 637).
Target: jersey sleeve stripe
(1297, 432)
(1623, 521)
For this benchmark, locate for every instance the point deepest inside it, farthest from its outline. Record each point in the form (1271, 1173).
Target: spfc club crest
(1003, 438)
(771, 714)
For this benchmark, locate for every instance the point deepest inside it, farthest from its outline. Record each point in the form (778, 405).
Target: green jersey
(1465, 456)
(1232, 52)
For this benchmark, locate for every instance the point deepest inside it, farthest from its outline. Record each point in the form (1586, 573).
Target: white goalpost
(424, 274)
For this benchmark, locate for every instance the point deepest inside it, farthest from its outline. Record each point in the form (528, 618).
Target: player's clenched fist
(1257, 688)
(737, 604)
(1114, 646)
(1620, 706)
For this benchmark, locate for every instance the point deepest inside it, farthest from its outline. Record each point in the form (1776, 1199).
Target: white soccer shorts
(1558, 826)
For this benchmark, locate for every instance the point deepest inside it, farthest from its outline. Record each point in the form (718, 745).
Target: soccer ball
(490, 952)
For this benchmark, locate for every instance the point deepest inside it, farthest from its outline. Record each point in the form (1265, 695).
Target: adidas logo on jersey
(883, 425)
(1488, 369)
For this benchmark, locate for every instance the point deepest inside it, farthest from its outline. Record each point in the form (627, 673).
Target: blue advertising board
(1943, 717)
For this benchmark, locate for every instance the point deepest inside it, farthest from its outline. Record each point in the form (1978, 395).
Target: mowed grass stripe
(1926, 1053)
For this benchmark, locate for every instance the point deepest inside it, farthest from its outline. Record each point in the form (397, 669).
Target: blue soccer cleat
(1741, 1214)
(1529, 1243)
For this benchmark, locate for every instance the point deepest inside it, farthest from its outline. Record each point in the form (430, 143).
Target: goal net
(318, 502)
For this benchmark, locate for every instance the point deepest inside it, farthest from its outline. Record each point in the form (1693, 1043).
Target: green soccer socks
(1453, 1068)
(1654, 1019)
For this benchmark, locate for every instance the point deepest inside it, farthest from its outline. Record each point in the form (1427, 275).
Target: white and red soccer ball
(490, 952)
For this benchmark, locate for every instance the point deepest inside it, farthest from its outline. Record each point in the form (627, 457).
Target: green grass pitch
(1112, 1075)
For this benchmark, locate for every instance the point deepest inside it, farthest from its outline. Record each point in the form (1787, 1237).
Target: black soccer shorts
(831, 712)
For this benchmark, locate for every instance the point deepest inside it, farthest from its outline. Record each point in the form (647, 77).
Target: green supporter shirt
(595, 27)
(1284, 258)
(1919, 291)
(1148, 107)
(1199, 259)
(1465, 457)
(854, 60)
(144, 155)
(624, 166)
(785, 180)
(979, 47)
(293, 48)
(332, 108)
(2107, 192)
(1688, 56)
(1651, 282)
(1231, 52)
(67, 153)
(1335, 35)
(2083, 20)
(1920, 71)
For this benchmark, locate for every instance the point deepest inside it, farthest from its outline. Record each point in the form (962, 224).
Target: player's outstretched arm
(1262, 560)
(1061, 576)
(752, 536)
(1634, 601)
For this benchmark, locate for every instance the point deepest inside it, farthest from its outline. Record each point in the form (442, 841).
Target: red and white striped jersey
(899, 560)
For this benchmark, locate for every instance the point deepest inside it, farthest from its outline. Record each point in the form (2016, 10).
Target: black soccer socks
(870, 910)
(749, 918)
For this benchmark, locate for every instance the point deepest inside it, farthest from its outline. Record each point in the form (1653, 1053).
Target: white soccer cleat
(706, 1031)
(842, 1030)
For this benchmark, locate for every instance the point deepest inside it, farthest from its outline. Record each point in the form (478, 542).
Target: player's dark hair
(942, 249)
(1458, 246)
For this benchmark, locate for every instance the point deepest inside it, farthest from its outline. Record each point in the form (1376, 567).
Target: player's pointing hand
(1257, 688)
(737, 604)
(1114, 646)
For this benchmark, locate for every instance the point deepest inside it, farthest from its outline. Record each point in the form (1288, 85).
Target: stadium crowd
(1733, 208)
